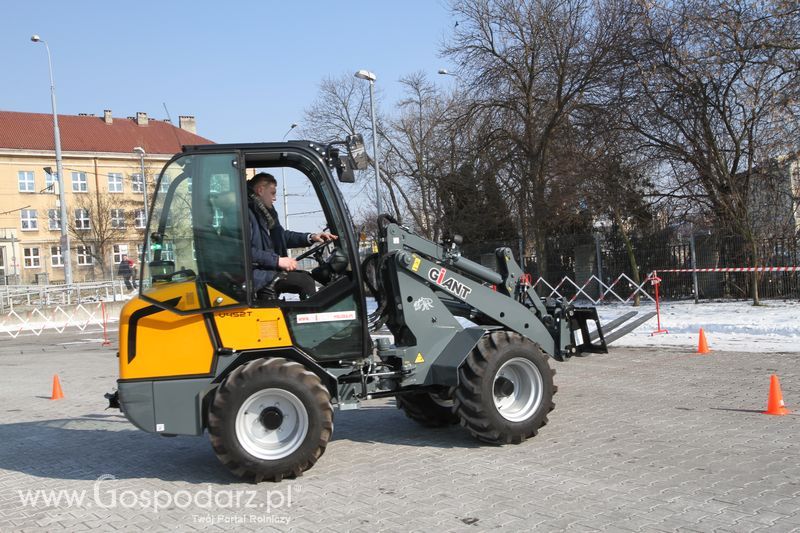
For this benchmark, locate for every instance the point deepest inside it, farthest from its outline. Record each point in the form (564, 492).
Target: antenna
(178, 139)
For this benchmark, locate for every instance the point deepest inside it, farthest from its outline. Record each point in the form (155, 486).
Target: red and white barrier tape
(733, 269)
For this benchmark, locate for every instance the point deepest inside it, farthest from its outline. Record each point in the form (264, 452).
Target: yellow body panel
(167, 344)
(244, 329)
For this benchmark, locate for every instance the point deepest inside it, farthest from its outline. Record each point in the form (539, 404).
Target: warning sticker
(415, 264)
(419, 358)
(333, 316)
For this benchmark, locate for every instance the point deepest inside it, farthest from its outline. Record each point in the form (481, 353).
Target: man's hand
(287, 263)
(323, 237)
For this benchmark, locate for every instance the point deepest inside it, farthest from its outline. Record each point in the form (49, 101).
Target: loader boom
(427, 285)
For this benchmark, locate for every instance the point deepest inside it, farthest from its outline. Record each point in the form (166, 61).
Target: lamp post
(283, 182)
(139, 150)
(370, 77)
(65, 251)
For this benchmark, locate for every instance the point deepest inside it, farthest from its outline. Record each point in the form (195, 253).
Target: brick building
(103, 188)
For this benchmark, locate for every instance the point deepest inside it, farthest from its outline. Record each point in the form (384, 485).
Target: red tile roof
(34, 131)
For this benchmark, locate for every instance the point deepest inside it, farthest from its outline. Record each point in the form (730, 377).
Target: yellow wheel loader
(202, 350)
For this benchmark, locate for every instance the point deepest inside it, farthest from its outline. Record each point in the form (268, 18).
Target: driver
(269, 242)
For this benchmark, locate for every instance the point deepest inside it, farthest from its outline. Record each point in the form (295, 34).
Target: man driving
(270, 242)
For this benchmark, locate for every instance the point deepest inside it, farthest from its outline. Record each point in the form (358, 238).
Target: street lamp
(139, 150)
(283, 182)
(370, 77)
(445, 72)
(65, 251)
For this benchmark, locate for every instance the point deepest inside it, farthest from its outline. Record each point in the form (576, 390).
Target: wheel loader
(200, 350)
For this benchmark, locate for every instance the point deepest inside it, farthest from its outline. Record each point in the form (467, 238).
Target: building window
(118, 218)
(54, 219)
(30, 257)
(168, 252)
(84, 255)
(82, 219)
(50, 182)
(118, 250)
(165, 181)
(136, 183)
(139, 221)
(28, 219)
(114, 182)
(56, 258)
(26, 181)
(79, 183)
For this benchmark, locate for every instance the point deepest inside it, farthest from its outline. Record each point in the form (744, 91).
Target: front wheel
(270, 419)
(505, 389)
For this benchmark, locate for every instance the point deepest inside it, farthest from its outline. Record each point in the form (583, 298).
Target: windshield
(194, 240)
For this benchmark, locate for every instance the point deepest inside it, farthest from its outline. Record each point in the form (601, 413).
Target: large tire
(505, 389)
(270, 419)
(427, 408)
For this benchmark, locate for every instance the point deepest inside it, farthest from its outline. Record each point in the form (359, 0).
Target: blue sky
(245, 70)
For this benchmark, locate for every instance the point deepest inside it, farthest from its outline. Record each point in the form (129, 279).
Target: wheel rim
(517, 389)
(271, 424)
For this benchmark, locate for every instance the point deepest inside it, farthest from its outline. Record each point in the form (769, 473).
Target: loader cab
(197, 253)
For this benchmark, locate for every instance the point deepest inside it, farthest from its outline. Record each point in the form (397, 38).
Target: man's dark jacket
(267, 246)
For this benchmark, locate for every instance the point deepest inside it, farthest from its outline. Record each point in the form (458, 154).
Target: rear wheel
(505, 389)
(428, 408)
(270, 419)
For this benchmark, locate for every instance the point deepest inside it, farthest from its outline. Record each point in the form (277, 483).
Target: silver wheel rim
(271, 444)
(519, 403)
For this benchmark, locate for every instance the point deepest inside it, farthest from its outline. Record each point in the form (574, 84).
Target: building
(103, 188)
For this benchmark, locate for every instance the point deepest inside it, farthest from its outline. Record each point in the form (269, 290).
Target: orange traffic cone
(775, 405)
(57, 394)
(702, 346)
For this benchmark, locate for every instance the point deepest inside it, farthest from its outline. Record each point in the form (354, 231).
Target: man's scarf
(270, 215)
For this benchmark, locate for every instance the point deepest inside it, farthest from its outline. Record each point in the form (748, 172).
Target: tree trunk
(631, 257)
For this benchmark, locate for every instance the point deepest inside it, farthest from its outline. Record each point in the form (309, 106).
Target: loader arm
(425, 281)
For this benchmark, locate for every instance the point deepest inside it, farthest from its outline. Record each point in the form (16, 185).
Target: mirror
(344, 170)
(358, 155)
(161, 270)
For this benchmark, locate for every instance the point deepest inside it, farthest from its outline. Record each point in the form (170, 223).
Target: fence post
(694, 265)
(113, 281)
(599, 266)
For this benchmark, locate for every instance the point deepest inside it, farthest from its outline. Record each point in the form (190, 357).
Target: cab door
(331, 324)
(193, 265)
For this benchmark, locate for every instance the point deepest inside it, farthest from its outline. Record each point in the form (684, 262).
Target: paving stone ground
(640, 440)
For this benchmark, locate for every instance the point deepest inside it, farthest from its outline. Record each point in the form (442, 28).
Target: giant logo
(439, 277)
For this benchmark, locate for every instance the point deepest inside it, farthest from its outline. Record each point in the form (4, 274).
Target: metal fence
(33, 296)
(579, 257)
(583, 265)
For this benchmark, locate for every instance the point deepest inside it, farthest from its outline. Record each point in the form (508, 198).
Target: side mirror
(357, 153)
(161, 270)
(344, 170)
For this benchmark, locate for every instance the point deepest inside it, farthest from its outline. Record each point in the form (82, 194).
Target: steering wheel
(313, 250)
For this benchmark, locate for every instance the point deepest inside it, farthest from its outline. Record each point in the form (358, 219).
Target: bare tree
(713, 92)
(530, 65)
(97, 221)
(342, 108)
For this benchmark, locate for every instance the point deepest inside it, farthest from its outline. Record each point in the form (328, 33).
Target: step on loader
(202, 351)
